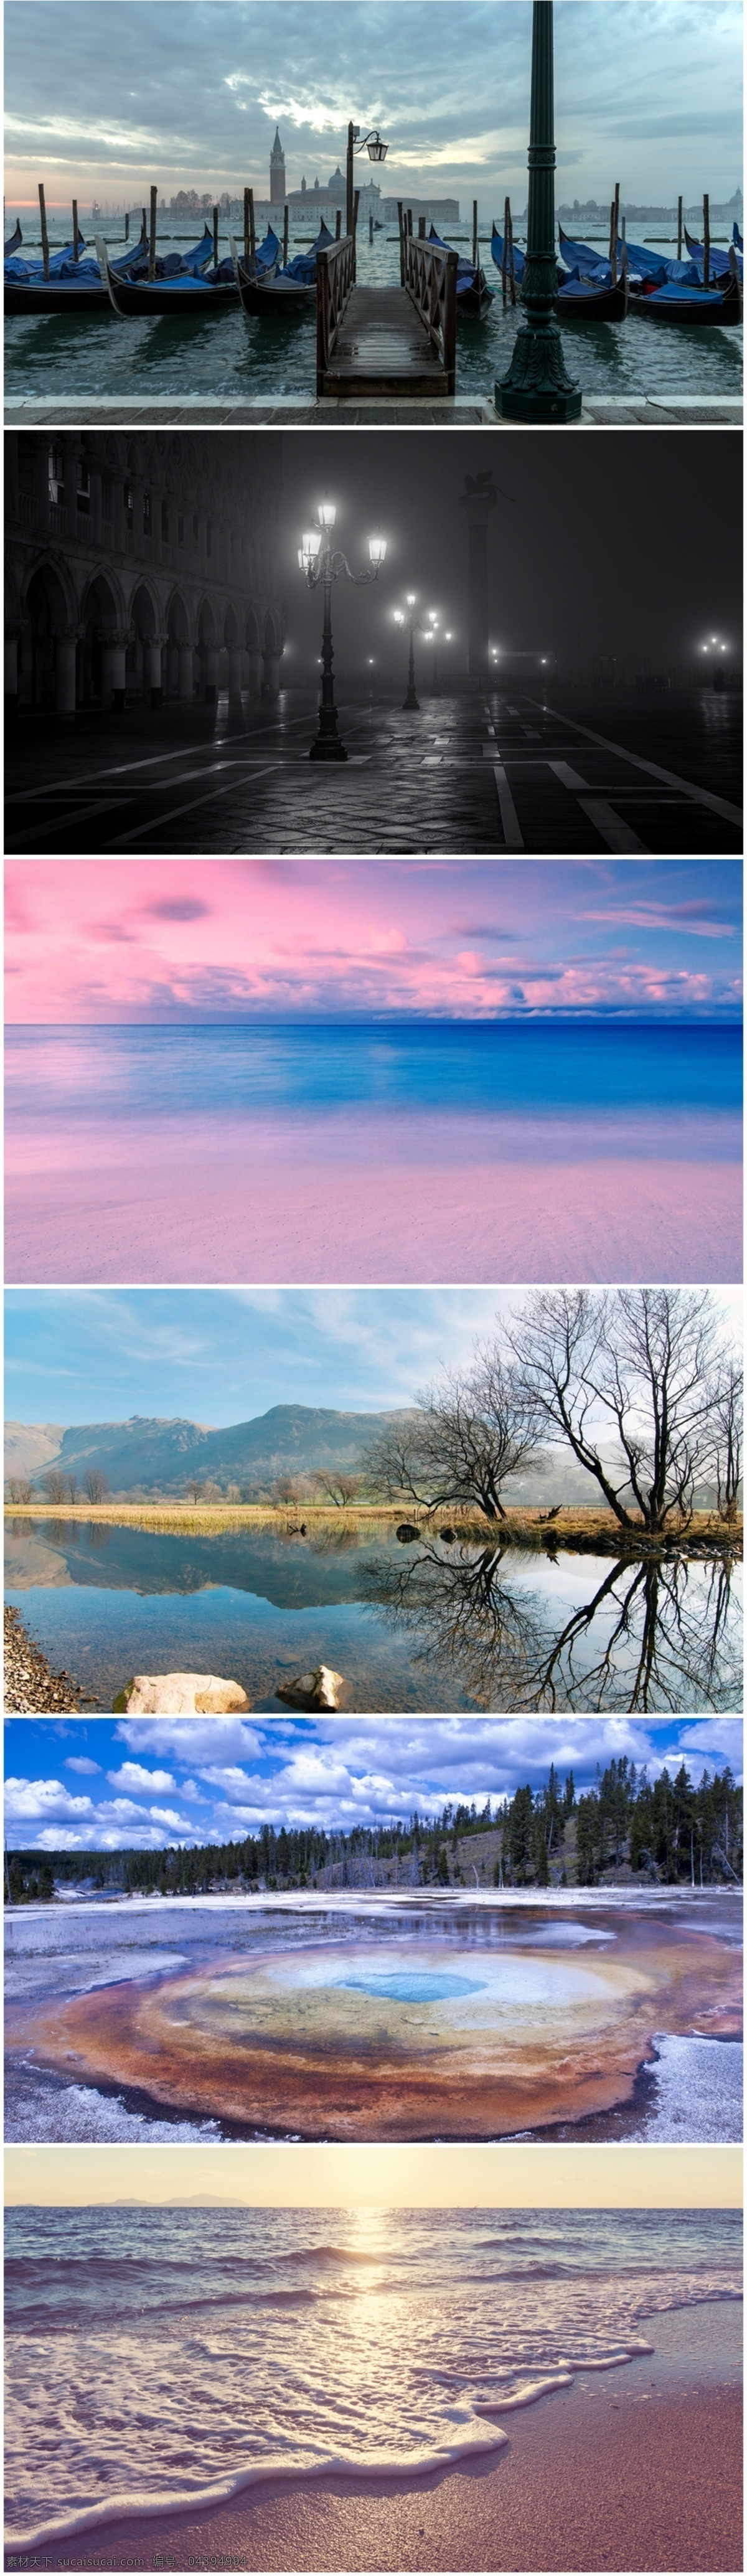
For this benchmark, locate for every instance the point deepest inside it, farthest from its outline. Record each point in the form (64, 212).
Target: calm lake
(231, 358)
(428, 1626)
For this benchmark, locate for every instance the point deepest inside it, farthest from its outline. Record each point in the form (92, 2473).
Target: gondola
(719, 261)
(689, 307)
(473, 294)
(78, 286)
(14, 244)
(187, 295)
(580, 298)
(280, 290)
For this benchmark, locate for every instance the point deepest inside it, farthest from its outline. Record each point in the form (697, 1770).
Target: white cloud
(132, 1775)
(191, 1740)
(80, 1762)
(35, 1798)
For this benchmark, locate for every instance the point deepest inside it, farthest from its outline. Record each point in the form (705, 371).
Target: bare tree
(728, 1418)
(287, 1488)
(96, 1485)
(195, 1487)
(474, 1429)
(340, 1485)
(54, 1485)
(72, 1489)
(19, 1489)
(636, 1364)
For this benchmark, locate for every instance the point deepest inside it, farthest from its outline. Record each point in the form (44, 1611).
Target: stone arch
(103, 613)
(142, 653)
(208, 646)
(231, 629)
(179, 648)
(47, 638)
(252, 635)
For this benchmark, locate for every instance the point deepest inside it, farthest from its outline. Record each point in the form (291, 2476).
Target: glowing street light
(357, 142)
(412, 628)
(320, 562)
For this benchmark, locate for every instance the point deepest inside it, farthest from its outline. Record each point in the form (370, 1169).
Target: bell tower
(277, 172)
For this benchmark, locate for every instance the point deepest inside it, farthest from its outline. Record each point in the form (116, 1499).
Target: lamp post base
(328, 749)
(411, 701)
(537, 387)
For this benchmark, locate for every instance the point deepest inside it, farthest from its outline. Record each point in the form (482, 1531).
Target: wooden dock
(394, 340)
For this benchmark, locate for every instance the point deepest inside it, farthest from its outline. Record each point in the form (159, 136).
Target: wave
(370, 2468)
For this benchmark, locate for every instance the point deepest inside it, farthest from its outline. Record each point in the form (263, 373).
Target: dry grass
(525, 1527)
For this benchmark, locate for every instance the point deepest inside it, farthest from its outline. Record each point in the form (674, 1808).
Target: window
(164, 523)
(56, 474)
(129, 503)
(147, 515)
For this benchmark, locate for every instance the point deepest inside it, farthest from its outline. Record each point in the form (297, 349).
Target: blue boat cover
(467, 274)
(301, 271)
(674, 293)
(64, 270)
(497, 250)
(718, 260)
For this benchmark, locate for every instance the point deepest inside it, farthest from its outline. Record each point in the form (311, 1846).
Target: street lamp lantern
(406, 617)
(357, 142)
(537, 387)
(320, 562)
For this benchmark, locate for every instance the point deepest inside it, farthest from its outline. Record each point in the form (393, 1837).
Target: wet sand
(633, 2469)
(469, 1220)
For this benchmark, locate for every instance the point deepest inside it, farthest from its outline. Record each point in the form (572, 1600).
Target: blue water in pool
(414, 1989)
(72, 1074)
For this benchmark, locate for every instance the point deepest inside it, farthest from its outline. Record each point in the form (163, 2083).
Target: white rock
(183, 1695)
(321, 1687)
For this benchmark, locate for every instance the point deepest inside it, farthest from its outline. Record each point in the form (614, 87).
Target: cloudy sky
(100, 1784)
(157, 940)
(102, 101)
(218, 1355)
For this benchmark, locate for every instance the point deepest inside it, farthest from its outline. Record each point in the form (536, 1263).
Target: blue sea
(167, 2357)
(509, 1069)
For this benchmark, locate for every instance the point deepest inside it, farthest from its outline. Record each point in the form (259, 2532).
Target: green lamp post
(537, 387)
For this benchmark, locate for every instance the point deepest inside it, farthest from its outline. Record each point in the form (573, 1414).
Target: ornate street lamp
(412, 628)
(320, 563)
(537, 386)
(357, 142)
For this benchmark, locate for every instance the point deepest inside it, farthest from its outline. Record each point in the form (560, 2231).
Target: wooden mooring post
(614, 229)
(246, 227)
(679, 228)
(215, 236)
(706, 242)
(421, 228)
(44, 233)
(252, 235)
(152, 241)
(401, 228)
(75, 228)
(511, 270)
(338, 224)
(285, 234)
(474, 232)
(504, 261)
(356, 203)
(127, 227)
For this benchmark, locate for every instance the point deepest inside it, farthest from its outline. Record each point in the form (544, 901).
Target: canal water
(425, 1626)
(230, 358)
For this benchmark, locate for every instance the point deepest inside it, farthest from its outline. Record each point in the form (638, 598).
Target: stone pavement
(472, 775)
(722, 411)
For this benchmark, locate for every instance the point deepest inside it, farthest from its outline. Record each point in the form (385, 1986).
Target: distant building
(277, 172)
(444, 210)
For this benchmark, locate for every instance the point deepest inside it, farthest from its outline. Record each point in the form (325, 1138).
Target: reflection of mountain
(101, 1557)
(159, 1456)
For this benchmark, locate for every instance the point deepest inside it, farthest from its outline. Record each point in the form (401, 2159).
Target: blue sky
(219, 1355)
(104, 100)
(101, 1783)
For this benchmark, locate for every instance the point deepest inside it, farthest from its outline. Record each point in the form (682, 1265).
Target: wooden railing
(335, 276)
(430, 276)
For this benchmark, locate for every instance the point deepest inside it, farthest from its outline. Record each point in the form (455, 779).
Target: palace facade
(140, 567)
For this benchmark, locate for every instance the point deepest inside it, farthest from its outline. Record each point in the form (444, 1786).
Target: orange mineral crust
(385, 2040)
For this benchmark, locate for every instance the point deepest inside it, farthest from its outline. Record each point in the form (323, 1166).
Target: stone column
(114, 642)
(185, 671)
(65, 640)
(477, 502)
(172, 670)
(270, 674)
(12, 634)
(235, 661)
(210, 667)
(254, 659)
(154, 669)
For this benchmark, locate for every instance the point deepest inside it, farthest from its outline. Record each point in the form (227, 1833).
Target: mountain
(31, 1446)
(158, 1456)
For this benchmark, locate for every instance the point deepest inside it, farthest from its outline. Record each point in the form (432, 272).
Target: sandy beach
(631, 2469)
(304, 1220)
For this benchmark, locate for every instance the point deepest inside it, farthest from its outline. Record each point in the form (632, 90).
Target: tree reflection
(654, 1634)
